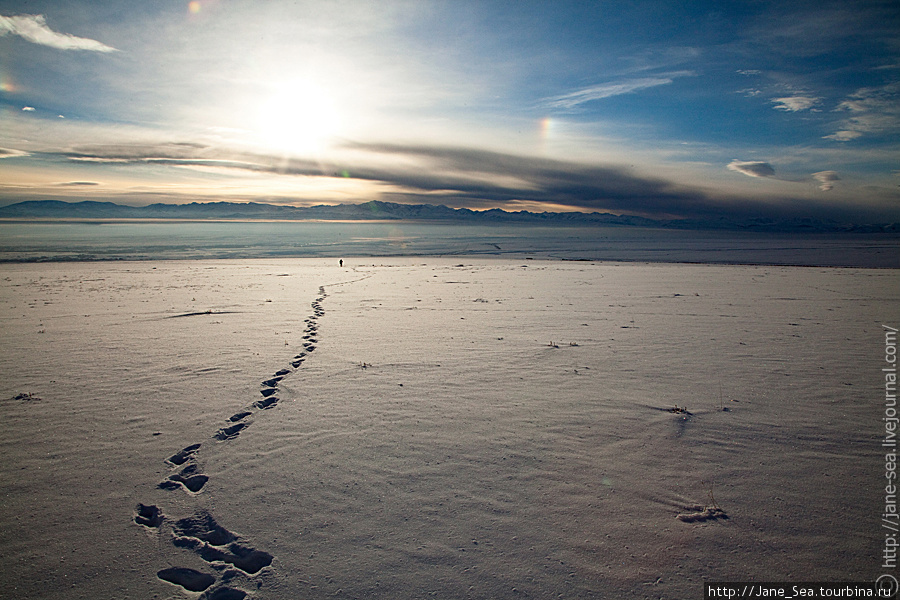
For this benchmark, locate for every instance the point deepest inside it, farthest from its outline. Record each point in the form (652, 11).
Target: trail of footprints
(225, 551)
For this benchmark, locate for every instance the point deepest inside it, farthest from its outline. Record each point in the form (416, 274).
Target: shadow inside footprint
(203, 526)
(702, 514)
(189, 579)
(268, 391)
(185, 455)
(224, 593)
(240, 415)
(227, 433)
(148, 516)
(248, 560)
(188, 477)
(214, 543)
(266, 402)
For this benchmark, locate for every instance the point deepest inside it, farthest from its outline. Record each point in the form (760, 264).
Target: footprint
(266, 402)
(189, 579)
(227, 433)
(185, 455)
(215, 544)
(189, 478)
(224, 593)
(200, 532)
(703, 513)
(249, 560)
(148, 516)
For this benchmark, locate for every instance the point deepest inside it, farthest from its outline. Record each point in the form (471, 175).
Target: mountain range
(377, 210)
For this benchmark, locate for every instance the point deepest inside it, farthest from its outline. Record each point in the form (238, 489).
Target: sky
(719, 109)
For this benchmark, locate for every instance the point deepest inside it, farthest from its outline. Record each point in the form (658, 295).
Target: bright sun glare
(300, 117)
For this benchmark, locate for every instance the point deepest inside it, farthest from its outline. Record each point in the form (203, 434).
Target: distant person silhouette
(342, 262)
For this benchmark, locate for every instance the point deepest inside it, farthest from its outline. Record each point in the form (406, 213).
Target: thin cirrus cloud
(752, 168)
(34, 29)
(77, 184)
(608, 90)
(871, 111)
(795, 103)
(10, 153)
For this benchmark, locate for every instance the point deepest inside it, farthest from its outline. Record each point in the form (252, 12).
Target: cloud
(28, 108)
(9, 153)
(608, 90)
(843, 136)
(873, 111)
(34, 29)
(462, 177)
(752, 168)
(77, 183)
(795, 103)
(826, 179)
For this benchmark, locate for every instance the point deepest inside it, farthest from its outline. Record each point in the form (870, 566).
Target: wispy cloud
(752, 168)
(8, 153)
(826, 179)
(872, 110)
(795, 103)
(77, 184)
(608, 90)
(475, 178)
(34, 29)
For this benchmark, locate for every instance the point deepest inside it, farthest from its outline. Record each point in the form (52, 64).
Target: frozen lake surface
(141, 240)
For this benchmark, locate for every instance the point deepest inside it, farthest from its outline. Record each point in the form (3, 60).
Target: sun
(297, 118)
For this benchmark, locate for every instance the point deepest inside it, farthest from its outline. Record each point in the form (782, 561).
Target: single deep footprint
(189, 579)
(702, 514)
(224, 593)
(266, 392)
(185, 455)
(188, 477)
(238, 416)
(227, 433)
(148, 516)
(203, 526)
(266, 402)
(215, 544)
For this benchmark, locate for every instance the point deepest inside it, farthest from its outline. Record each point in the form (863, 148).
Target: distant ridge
(377, 210)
